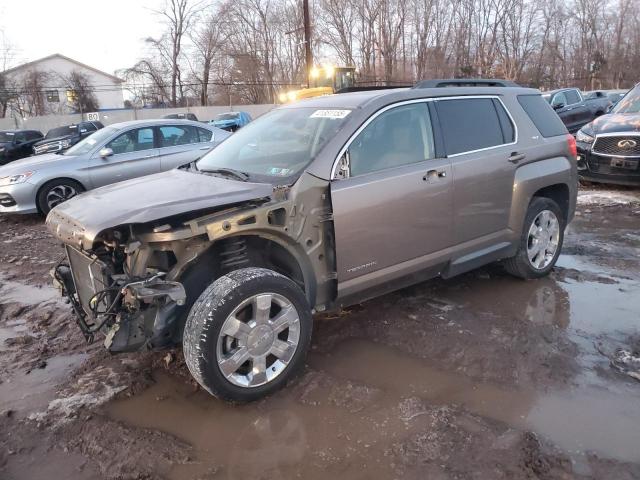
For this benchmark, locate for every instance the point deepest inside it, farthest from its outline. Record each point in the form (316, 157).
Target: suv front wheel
(540, 242)
(247, 334)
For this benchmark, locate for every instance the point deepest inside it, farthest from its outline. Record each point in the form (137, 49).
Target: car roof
(156, 122)
(19, 131)
(360, 99)
(551, 92)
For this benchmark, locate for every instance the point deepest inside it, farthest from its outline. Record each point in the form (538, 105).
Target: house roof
(58, 55)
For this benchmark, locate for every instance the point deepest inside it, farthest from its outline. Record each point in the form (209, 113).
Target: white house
(52, 82)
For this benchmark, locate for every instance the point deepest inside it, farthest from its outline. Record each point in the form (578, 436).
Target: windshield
(630, 103)
(279, 145)
(88, 144)
(6, 137)
(227, 116)
(62, 131)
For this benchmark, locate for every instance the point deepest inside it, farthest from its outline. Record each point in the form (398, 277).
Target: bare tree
(177, 16)
(81, 93)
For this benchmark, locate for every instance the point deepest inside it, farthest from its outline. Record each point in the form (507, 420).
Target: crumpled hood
(30, 164)
(616, 122)
(144, 199)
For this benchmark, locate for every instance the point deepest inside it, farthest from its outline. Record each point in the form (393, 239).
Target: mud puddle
(15, 292)
(33, 390)
(356, 413)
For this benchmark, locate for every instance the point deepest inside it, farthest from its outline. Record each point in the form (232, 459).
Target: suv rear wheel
(247, 334)
(541, 240)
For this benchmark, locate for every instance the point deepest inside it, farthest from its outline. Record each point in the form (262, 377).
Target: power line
(135, 86)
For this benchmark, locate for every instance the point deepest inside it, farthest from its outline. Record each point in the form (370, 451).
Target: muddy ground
(482, 376)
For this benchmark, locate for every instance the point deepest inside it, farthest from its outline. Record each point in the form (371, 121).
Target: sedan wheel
(55, 192)
(59, 194)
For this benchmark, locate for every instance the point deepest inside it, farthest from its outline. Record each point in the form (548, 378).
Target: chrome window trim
(424, 100)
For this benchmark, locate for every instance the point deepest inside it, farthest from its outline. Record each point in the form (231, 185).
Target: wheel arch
(552, 178)
(260, 249)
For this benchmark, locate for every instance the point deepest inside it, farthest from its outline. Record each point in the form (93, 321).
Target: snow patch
(607, 197)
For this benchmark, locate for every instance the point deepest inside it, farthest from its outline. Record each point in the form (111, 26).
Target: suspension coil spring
(234, 254)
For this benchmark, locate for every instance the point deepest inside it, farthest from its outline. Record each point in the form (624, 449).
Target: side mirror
(558, 106)
(106, 152)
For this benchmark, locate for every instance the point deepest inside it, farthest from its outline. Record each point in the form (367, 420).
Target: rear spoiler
(465, 82)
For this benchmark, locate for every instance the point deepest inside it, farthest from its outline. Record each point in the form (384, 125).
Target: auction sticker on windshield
(330, 113)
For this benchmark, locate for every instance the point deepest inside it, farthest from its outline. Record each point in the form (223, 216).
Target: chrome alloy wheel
(59, 194)
(258, 340)
(543, 239)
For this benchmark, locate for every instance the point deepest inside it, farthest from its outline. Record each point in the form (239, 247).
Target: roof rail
(465, 82)
(360, 88)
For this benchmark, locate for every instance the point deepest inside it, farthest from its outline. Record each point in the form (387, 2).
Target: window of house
(52, 96)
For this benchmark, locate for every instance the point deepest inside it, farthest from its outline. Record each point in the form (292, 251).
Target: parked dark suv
(16, 144)
(61, 138)
(609, 147)
(312, 207)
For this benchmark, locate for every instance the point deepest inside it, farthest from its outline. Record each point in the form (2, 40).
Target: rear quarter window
(542, 115)
(470, 124)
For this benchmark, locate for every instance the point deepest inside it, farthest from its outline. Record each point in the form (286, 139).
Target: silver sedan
(113, 154)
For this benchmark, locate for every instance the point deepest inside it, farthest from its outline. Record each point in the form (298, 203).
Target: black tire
(211, 310)
(519, 265)
(44, 192)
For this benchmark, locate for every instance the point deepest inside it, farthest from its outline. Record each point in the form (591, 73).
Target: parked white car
(115, 153)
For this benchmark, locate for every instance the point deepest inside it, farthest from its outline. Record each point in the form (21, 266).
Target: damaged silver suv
(315, 206)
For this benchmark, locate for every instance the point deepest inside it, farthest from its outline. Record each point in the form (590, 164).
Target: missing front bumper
(131, 314)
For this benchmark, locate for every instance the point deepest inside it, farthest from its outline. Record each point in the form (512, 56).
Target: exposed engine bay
(137, 282)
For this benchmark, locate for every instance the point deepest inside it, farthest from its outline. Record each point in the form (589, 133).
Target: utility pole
(307, 40)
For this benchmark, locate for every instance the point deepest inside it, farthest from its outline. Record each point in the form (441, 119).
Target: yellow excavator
(323, 80)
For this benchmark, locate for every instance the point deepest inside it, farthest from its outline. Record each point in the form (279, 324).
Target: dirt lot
(481, 376)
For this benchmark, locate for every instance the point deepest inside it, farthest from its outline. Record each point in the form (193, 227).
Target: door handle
(433, 175)
(517, 157)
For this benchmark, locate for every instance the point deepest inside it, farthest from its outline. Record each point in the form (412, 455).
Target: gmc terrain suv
(315, 206)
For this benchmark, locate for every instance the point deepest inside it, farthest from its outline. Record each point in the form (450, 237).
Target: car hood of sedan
(145, 199)
(616, 123)
(34, 163)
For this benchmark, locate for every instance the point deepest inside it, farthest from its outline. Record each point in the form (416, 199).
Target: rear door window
(542, 115)
(399, 136)
(174, 135)
(470, 124)
(205, 135)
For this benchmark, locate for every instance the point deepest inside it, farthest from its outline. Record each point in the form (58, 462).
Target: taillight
(573, 148)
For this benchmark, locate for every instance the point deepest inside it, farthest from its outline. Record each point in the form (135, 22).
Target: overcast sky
(106, 35)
